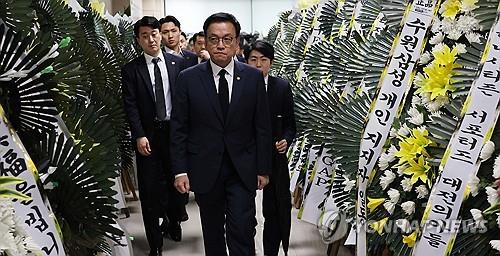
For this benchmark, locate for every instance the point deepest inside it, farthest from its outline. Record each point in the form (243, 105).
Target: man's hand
(181, 183)
(204, 55)
(281, 146)
(262, 181)
(143, 146)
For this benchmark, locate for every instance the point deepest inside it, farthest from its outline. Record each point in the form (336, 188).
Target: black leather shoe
(155, 252)
(174, 230)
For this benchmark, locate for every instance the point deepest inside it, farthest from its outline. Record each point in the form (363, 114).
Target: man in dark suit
(220, 140)
(148, 83)
(170, 29)
(276, 201)
(199, 47)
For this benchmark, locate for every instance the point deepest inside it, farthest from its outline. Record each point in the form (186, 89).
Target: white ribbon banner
(37, 221)
(461, 158)
(318, 188)
(393, 85)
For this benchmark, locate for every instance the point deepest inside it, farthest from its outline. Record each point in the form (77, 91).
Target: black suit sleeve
(129, 91)
(179, 126)
(263, 129)
(289, 128)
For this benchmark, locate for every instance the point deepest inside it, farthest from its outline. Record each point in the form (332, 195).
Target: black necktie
(161, 111)
(223, 92)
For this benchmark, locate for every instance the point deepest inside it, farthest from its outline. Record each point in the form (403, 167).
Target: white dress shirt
(229, 76)
(265, 81)
(164, 76)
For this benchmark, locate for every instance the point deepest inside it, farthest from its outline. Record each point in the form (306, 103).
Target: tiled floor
(304, 241)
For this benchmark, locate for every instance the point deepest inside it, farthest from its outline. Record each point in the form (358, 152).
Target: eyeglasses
(227, 40)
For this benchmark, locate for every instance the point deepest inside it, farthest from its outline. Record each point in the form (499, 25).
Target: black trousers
(272, 200)
(158, 196)
(232, 205)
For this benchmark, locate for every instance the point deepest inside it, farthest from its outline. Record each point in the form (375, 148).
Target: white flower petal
(393, 195)
(408, 207)
(495, 244)
(487, 150)
(473, 185)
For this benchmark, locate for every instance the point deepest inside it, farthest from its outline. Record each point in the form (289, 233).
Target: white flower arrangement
(492, 195)
(495, 244)
(477, 215)
(406, 184)
(393, 195)
(496, 168)
(487, 150)
(349, 184)
(422, 191)
(408, 207)
(387, 158)
(387, 179)
(390, 206)
(416, 117)
(473, 185)
(13, 238)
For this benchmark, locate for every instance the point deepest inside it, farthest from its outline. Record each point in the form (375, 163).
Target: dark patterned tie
(161, 111)
(223, 92)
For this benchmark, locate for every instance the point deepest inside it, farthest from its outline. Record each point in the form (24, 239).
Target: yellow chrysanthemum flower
(445, 56)
(450, 8)
(379, 225)
(410, 239)
(418, 170)
(374, 203)
(413, 146)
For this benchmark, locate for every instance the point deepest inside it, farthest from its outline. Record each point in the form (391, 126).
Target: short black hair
(170, 18)
(146, 21)
(261, 46)
(184, 34)
(199, 34)
(222, 17)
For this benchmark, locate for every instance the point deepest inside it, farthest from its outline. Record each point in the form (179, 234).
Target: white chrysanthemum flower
(416, 100)
(402, 168)
(406, 184)
(408, 207)
(390, 206)
(349, 184)
(387, 157)
(422, 191)
(436, 26)
(426, 98)
(460, 48)
(416, 117)
(392, 133)
(387, 179)
(393, 195)
(473, 37)
(495, 244)
(473, 185)
(477, 215)
(437, 103)
(468, 5)
(455, 33)
(404, 130)
(437, 38)
(496, 168)
(498, 220)
(487, 150)
(438, 48)
(425, 58)
(404, 225)
(492, 195)
(467, 23)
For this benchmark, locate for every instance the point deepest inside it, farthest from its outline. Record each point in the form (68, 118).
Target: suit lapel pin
(173, 62)
(238, 78)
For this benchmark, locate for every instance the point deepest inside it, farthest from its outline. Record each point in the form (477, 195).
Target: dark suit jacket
(190, 58)
(199, 135)
(138, 93)
(281, 103)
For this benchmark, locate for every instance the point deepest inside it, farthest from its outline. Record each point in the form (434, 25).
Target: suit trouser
(232, 204)
(272, 233)
(155, 181)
